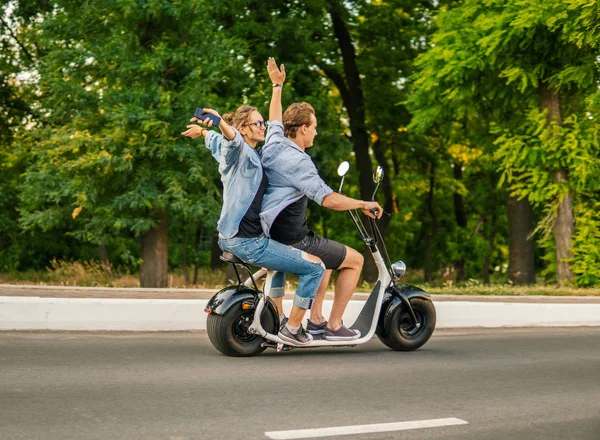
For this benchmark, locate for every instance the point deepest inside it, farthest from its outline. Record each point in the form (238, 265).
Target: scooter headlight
(398, 269)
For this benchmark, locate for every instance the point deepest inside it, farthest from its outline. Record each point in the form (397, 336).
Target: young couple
(263, 219)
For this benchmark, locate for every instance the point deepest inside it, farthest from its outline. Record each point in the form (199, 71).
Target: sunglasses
(258, 124)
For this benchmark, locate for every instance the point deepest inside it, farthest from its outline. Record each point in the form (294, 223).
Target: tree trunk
(563, 229)
(155, 254)
(564, 223)
(430, 235)
(461, 221)
(521, 260)
(197, 250)
(349, 85)
(186, 272)
(352, 95)
(105, 259)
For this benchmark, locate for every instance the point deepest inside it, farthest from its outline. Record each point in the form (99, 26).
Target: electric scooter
(243, 321)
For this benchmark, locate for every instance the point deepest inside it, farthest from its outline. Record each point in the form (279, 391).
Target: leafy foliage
(487, 67)
(94, 95)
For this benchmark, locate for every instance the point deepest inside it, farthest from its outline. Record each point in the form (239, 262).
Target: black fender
(235, 296)
(396, 297)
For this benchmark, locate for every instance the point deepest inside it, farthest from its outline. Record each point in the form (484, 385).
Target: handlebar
(374, 211)
(370, 241)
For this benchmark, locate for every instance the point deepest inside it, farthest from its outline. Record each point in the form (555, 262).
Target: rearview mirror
(378, 175)
(343, 168)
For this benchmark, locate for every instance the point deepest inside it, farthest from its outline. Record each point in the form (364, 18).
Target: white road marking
(363, 429)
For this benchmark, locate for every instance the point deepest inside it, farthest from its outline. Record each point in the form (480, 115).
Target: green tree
(355, 56)
(117, 84)
(13, 112)
(504, 59)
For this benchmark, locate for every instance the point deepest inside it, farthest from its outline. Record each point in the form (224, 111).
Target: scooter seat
(228, 257)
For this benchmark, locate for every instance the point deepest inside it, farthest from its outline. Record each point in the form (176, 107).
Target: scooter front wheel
(229, 332)
(404, 335)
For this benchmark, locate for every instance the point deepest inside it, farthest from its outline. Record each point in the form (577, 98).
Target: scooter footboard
(365, 318)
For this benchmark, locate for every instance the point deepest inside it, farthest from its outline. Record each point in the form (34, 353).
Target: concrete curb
(50, 313)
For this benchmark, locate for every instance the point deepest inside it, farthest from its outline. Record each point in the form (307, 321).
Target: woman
(244, 184)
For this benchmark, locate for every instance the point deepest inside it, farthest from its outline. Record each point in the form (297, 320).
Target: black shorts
(330, 252)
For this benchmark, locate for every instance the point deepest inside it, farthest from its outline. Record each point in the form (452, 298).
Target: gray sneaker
(300, 338)
(341, 334)
(315, 329)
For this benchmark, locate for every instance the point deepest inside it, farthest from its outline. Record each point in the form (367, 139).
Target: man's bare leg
(345, 285)
(316, 311)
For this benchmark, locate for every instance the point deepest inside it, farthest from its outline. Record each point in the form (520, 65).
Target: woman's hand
(277, 76)
(195, 130)
(207, 121)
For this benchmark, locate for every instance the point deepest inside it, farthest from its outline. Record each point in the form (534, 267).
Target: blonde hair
(239, 117)
(295, 116)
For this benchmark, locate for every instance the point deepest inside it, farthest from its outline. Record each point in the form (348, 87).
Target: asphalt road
(507, 384)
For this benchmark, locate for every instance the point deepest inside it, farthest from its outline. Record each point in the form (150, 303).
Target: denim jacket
(241, 174)
(291, 173)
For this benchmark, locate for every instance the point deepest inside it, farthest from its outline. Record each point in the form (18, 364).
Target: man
(293, 179)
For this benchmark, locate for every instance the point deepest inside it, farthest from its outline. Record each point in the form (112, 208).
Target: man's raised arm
(277, 78)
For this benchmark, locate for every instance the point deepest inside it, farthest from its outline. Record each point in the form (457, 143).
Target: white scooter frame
(366, 322)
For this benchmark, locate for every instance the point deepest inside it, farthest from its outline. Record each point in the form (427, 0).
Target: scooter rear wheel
(404, 335)
(229, 332)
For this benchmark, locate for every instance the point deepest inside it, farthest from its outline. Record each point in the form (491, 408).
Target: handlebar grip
(374, 211)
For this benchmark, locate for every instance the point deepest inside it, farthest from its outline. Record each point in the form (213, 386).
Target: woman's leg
(275, 289)
(261, 251)
(309, 269)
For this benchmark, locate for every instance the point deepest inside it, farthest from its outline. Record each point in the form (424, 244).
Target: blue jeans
(264, 252)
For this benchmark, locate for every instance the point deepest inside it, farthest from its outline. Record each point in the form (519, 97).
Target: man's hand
(277, 76)
(372, 209)
(194, 131)
(207, 121)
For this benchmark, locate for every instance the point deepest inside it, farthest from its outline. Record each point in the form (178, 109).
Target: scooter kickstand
(279, 347)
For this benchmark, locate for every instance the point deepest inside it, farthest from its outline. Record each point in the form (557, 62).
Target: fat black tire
(383, 337)
(403, 335)
(226, 332)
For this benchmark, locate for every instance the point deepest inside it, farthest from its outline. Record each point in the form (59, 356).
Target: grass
(91, 274)
(507, 289)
